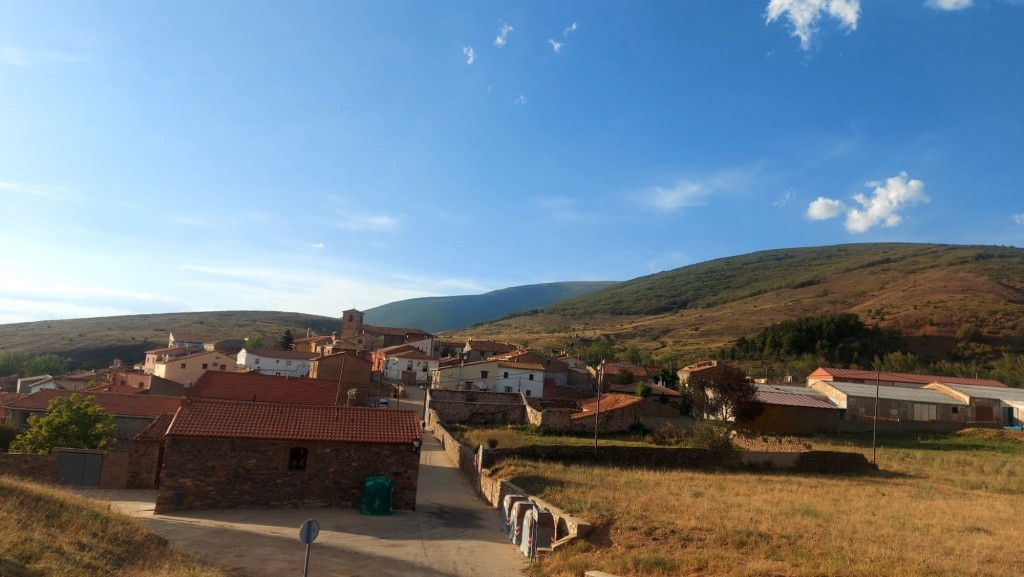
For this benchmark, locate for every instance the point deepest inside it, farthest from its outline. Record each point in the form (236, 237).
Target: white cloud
(1019, 218)
(825, 208)
(693, 191)
(23, 57)
(881, 208)
(367, 222)
(502, 38)
(803, 15)
(40, 190)
(557, 46)
(949, 5)
(317, 246)
(571, 28)
(520, 99)
(470, 55)
(785, 199)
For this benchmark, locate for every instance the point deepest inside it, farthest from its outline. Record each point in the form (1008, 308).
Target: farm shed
(899, 408)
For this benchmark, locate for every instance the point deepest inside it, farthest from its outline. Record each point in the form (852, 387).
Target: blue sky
(316, 156)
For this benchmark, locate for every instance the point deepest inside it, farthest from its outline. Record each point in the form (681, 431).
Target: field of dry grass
(47, 532)
(939, 506)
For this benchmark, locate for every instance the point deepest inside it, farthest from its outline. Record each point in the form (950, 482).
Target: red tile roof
(615, 368)
(412, 353)
(258, 387)
(490, 346)
(656, 390)
(120, 405)
(119, 389)
(552, 391)
(7, 398)
(394, 331)
(609, 402)
(157, 430)
(283, 354)
(241, 420)
(869, 376)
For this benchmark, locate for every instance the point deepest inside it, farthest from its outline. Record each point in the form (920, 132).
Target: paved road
(452, 533)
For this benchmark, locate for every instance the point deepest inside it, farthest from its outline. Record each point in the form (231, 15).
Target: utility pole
(874, 424)
(597, 414)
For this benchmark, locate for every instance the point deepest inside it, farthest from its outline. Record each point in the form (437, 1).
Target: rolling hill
(437, 314)
(925, 292)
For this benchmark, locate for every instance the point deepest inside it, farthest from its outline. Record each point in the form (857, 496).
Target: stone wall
(37, 468)
(207, 473)
(478, 407)
(143, 460)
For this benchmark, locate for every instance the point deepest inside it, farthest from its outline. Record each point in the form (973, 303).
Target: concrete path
(452, 533)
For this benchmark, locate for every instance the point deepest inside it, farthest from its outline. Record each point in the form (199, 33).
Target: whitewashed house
(276, 362)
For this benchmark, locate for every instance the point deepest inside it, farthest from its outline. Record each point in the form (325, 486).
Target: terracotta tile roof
(615, 368)
(394, 331)
(283, 354)
(119, 389)
(490, 346)
(413, 353)
(530, 356)
(845, 374)
(241, 420)
(553, 391)
(7, 398)
(656, 390)
(157, 430)
(523, 366)
(258, 387)
(609, 402)
(396, 349)
(120, 405)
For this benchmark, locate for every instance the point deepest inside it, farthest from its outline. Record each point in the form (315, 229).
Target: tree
(74, 422)
(253, 342)
(643, 390)
(287, 341)
(897, 362)
(624, 377)
(726, 397)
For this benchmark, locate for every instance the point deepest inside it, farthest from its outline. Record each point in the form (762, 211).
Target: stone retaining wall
(37, 468)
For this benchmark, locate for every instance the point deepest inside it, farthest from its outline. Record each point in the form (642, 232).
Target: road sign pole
(305, 564)
(307, 534)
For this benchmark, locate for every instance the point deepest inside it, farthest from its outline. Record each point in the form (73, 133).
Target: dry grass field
(945, 506)
(47, 532)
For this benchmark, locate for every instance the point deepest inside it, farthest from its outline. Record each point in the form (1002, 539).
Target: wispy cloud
(502, 38)
(949, 5)
(804, 15)
(569, 30)
(1019, 219)
(520, 99)
(785, 199)
(881, 208)
(689, 192)
(380, 223)
(24, 57)
(317, 246)
(470, 55)
(557, 46)
(40, 190)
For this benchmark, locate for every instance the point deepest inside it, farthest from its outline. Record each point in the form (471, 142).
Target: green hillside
(96, 342)
(437, 314)
(926, 293)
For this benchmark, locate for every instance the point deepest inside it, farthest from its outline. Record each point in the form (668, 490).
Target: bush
(8, 431)
(492, 443)
(711, 435)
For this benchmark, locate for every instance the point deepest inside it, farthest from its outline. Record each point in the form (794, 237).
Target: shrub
(492, 443)
(711, 435)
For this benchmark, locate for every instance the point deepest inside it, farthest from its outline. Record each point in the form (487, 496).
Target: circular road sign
(308, 532)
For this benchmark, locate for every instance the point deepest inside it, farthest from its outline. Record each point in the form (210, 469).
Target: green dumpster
(376, 496)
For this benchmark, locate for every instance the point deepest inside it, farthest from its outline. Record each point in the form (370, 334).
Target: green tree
(287, 341)
(74, 422)
(254, 342)
(728, 397)
(643, 390)
(1009, 369)
(897, 362)
(624, 378)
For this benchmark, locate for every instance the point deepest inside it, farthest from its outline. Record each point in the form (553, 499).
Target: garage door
(81, 469)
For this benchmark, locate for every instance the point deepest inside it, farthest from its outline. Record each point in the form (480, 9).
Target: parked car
(383, 403)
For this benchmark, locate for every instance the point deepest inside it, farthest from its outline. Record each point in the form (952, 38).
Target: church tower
(351, 323)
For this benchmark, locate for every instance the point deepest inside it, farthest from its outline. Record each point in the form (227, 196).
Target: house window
(257, 362)
(183, 365)
(531, 376)
(504, 376)
(297, 459)
(527, 392)
(223, 367)
(956, 410)
(508, 389)
(204, 366)
(483, 374)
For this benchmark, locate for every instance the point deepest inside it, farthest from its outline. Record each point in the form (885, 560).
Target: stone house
(132, 413)
(351, 370)
(614, 412)
(228, 454)
(394, 362)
